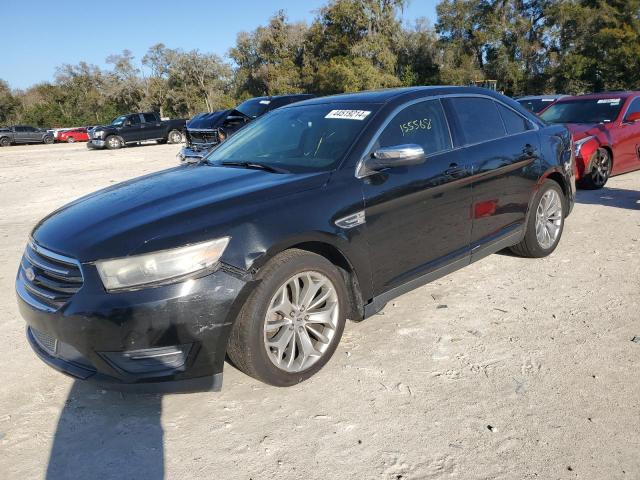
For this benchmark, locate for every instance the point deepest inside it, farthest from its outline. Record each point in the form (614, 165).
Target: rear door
(502, 146)
(152, 127)
(417, 218)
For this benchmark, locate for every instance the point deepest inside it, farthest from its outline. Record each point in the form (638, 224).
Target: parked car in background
(73, 135)
(537, 103)
(315, 213)
(24, 134)
(206, 130)
(606, 130)
(135, 128)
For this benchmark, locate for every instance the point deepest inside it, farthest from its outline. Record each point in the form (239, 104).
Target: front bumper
(187, 154)
(91, 336)
(96, 144)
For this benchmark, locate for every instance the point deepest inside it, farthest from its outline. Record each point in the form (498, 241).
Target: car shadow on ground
(103, 434)
(610, 197)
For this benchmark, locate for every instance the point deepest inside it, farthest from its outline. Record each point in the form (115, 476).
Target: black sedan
(314, 213)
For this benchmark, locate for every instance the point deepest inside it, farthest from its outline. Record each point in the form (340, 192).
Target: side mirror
(632, 117)
(396, 156)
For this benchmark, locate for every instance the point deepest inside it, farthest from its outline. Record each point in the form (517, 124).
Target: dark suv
(206, 130)
(24, 134)
(317, 212)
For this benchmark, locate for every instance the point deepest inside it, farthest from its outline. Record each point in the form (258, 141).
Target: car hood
(209, 120)
(581, 130)
(166, 209)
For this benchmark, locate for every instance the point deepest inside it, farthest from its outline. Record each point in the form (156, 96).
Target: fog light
(150, 360)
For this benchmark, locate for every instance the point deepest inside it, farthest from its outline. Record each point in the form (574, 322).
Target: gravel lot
(508, 369)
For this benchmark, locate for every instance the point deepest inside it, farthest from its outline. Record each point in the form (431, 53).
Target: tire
(5, 142)
(248, 347)
(601, 165)
(113, 142)
(537, 244)
(174, 136)
(47, 140)
(70, 140)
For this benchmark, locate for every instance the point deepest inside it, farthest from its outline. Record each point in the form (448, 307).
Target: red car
(73, 135)
(606, 130)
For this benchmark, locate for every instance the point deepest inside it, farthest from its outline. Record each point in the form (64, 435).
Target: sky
(37, 36)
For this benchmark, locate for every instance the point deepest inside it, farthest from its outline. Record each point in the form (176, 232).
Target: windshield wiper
(255, 166)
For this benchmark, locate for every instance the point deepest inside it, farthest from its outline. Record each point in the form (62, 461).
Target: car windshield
(592, 110)
(119, 121)
(296, 139)
(254, 108)
(535, 105)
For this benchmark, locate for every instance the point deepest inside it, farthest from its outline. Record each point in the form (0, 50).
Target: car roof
(540, 97)
(617, 94)
(395, 94)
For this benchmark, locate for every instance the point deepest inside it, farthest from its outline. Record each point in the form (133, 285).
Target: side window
(513, 122)
(478, 119)
(19, 129)
(633, 108)
(134, 119)
(149, 117)
(423, 124)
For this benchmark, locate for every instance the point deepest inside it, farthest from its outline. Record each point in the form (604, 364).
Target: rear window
(584, 110)
(478, 119)
(513, 122)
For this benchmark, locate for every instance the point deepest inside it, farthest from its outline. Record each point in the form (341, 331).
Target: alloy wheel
(601, 167)
(549, 219)
(301, 321)
(114, 142)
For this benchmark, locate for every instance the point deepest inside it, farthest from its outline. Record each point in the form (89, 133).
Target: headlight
(98, 134)
(581, 142)
(160, 267)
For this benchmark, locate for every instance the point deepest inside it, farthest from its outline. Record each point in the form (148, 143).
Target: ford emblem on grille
(30, 274)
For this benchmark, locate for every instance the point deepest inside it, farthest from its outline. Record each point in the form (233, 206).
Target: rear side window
(134, 119)
(513, 122)
(149, 117)
(422, 124)
(478, 119)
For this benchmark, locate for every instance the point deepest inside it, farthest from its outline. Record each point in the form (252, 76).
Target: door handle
(455, 171)
(528, 150)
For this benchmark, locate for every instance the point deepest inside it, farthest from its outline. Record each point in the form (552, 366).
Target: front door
(417, 218)
(627, 141)
(132, 129)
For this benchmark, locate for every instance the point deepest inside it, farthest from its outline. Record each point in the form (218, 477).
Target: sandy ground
(508, 369)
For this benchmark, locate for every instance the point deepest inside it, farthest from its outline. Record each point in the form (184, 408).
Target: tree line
(528, 46)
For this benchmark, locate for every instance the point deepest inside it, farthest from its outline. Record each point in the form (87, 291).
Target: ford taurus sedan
(315, 213)
(606, 130)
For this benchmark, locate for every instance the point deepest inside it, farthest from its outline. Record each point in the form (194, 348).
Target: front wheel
(174, 136)
(600, 170)
(5, 142)
(546, 222)
(71, 140)
(292, 323)
(47, 140)
(113, 142)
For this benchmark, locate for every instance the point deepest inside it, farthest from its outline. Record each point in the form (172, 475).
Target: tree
(9, 104)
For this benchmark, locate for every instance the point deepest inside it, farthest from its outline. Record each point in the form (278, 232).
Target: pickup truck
(134, 128)
(24, 134)
(206, 130)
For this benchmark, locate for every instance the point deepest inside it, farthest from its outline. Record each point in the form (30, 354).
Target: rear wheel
(113, 142)
(71, 140)
(546, 222)
(600, 170)
(48, 140)
(292, 323)
(175, 136)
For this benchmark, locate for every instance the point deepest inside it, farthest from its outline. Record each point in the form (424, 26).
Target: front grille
(49, 278)
(46, 341)
(202, 139)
